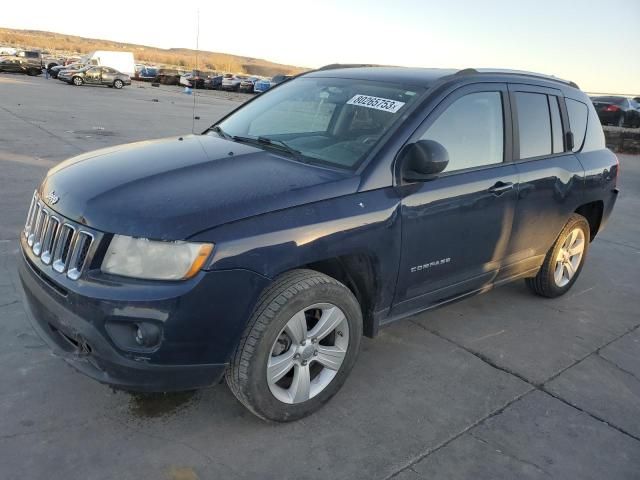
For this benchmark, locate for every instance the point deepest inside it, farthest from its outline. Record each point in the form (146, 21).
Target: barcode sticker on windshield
(378, 103)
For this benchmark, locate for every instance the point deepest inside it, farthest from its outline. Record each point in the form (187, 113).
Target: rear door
(108, 75)
(456, 227)
(550, 174)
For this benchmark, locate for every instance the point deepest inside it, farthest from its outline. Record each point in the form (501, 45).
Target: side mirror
(423, 160)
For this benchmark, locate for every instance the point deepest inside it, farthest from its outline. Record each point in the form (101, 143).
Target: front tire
(298, 347)
(564, 260)
(118, 84)
(77, 81)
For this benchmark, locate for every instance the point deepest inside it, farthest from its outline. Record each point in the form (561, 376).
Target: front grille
(58, 242)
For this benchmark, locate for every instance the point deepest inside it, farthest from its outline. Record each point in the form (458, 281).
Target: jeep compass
(335, 203)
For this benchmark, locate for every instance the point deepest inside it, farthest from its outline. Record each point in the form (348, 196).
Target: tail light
(611, 108)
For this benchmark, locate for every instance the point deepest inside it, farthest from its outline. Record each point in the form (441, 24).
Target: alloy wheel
(308, 353)
(569, 257)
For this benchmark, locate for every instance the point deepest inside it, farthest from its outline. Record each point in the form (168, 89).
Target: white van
(121, 61)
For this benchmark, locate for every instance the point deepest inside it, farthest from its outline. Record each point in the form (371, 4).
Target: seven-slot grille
(56, 241)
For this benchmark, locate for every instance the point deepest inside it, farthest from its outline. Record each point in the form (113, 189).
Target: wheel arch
(358, 273)
(592, 211)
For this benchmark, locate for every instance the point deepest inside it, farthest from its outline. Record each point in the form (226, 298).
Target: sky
(594, 43)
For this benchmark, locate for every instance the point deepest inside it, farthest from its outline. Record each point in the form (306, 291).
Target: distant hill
(180, 57)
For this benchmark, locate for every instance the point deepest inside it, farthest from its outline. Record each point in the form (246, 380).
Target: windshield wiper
(271, 142)
(281, 143)
(221, 132)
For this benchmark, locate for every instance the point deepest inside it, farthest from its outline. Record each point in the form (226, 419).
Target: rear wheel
(564, 260)
(298, 347)
(118, 84)
(77, 81)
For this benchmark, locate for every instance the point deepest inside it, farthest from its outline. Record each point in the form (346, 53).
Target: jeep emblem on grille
(52, 198)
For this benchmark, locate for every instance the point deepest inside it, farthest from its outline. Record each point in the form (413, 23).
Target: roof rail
(335, 66)
(471, 71)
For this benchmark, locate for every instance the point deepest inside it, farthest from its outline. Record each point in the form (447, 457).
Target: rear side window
(556, 125)
(594, 139)
(577, 122)
(472, 131)
(534, 125)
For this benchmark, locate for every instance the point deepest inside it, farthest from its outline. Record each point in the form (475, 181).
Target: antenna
(195, 90)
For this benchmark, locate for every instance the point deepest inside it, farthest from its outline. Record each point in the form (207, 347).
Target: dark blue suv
(335, 203)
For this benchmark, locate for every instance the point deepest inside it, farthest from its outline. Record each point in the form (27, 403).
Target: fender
(364, 223)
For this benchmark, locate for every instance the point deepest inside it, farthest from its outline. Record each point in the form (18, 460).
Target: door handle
(500, 187)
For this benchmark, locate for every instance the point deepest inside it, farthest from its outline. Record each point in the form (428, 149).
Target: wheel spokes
(300, 389)
(576, 248)
(570, 270)
(330, 357)
(297, 328)
(330, 319)
(279, 366)
(559, 272)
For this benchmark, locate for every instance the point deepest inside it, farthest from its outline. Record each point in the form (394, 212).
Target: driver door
(457, 226)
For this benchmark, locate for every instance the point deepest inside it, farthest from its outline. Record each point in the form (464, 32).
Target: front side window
(472, 131)
(534, 125)
(332, 121)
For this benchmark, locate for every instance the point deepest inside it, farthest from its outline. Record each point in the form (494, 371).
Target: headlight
(153, 260)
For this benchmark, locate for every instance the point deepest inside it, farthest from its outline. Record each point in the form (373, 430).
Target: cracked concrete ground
(504, 385)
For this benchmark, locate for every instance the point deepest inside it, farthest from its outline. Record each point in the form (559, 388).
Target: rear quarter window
(594, 139)
(578, 113)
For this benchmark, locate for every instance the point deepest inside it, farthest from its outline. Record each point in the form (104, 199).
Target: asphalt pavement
(504, 385)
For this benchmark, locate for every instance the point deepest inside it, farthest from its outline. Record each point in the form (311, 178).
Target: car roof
(422, 76)
(405, 75)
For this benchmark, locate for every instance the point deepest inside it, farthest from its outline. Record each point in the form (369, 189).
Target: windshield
(324, 120)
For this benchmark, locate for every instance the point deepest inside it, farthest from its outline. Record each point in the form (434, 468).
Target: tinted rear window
(577, 121)
(534, 125)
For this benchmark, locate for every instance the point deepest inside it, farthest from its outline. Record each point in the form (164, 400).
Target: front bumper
(201, 322)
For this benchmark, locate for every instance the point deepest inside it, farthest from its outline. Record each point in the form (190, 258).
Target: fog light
(147, 334)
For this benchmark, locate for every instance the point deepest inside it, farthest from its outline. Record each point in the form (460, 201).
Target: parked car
(619, 111)
(59, 68)
(169, 76)
(92, 75)
(324, 209)
(28, 62)
(231, 82)
(213, 83)
(247, 84)
(147, 74)
(265, 84)
(194, 79)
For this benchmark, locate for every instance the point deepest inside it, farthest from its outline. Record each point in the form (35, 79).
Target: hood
(173, 188)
